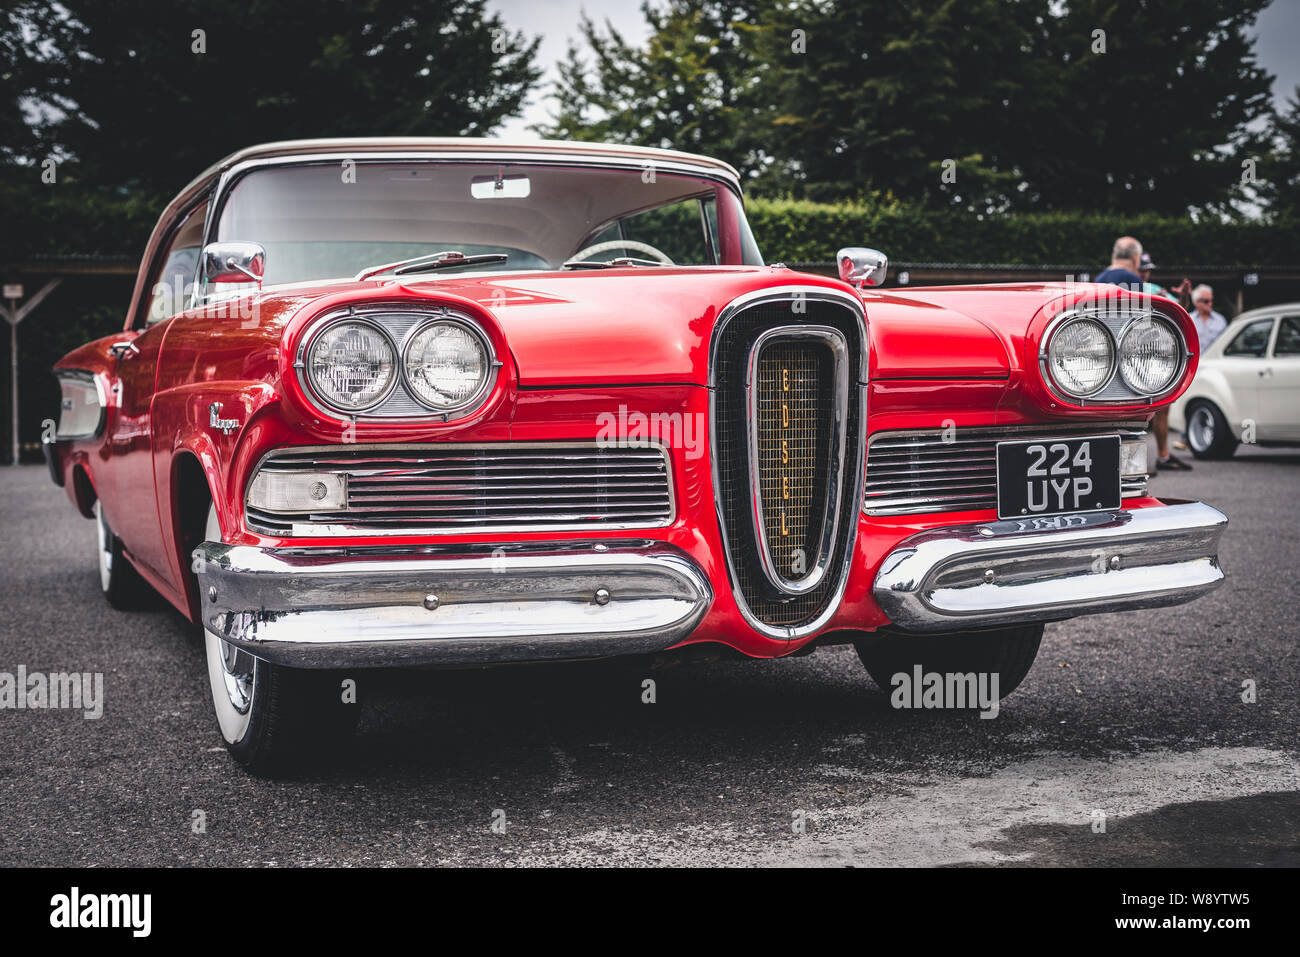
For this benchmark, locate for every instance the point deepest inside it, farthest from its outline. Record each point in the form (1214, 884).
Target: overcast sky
(556, 21)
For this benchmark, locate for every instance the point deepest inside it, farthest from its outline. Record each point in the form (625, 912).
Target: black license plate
(1058, 476)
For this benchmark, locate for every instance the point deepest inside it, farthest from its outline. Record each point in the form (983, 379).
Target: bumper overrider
(431, 605)
(1012, 572)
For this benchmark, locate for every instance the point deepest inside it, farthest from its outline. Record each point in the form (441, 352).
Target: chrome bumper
(375, 607)
(1004, 573)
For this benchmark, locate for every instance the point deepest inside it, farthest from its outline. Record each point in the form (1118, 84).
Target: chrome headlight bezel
(490, 363)
(1117, 322)
(1180, 354)
(304, 363)
(1051, 338)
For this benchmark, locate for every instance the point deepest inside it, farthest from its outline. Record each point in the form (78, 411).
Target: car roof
(451, 145)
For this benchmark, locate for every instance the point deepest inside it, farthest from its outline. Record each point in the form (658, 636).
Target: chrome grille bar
(936, 470)
(446, 487)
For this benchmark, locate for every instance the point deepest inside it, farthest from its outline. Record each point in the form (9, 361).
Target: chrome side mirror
(860, 266)
(234, 262)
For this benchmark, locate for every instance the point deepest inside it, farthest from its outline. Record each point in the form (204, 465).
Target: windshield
(329, 221)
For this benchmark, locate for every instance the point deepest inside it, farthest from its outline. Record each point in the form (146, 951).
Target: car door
(134, 514)
(1242, 365)
(1279, 385)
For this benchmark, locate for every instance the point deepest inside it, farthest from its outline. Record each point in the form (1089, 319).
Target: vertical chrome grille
(825, 498)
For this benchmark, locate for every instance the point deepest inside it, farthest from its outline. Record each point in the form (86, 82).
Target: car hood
(642, 326)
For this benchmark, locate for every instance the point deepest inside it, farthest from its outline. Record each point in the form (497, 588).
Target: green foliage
(802, 231)
(1032, 104)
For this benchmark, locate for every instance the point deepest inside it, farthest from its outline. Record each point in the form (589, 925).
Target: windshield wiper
(610, 263)
(430, 263)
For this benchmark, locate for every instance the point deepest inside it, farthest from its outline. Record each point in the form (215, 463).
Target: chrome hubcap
(237, 670)
(1200, 431)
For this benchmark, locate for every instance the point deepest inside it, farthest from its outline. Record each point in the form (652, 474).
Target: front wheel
(1008, 653)
(1208, 434)
(274, 719)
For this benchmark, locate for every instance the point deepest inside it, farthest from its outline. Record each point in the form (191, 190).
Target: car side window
(173, 281)
(1288, 337)
(1252, 341)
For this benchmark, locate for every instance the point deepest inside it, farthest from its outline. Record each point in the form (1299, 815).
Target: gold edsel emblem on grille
(798, 398)
(787, 430)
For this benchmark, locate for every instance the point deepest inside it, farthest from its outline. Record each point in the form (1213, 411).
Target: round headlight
(352, 365)
(446, 365)
(1081, 357)
(1148, 356)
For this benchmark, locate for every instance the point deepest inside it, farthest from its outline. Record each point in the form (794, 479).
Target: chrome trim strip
(349, 529)
(728, 312)
(835, 466)
(1012, 572)
(452, 605)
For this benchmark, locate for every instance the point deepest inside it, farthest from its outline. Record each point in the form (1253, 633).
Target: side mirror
(234, 262)
(860, 266)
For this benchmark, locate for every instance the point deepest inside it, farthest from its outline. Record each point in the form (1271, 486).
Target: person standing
(1126, 262)
(1209, 324)
(1125, 259)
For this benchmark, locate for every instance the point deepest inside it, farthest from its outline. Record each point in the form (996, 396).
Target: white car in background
(1247, 388)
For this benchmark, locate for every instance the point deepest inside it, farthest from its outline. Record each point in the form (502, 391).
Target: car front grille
(954, 470)
(830, 497)
(452, 488)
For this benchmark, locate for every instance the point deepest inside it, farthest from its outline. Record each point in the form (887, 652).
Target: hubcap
(231, 670)
(1200, 431)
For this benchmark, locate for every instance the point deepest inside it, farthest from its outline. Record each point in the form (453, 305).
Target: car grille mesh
(954, 470)
(794, 420)
(448, 488)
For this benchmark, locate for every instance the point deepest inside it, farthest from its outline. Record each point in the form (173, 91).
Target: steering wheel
(624, 244)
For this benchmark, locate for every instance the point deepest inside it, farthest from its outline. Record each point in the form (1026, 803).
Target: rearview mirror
(860, 266)
(234, 262)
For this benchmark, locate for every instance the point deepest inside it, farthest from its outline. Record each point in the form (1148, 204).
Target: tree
(1280, 171)
(146, 94)
(685, 89)
(983, 104)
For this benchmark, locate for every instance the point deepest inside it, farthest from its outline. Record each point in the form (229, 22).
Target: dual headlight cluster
(1083, 356)
(353, 365)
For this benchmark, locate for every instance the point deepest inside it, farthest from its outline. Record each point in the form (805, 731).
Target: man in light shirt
(1209, 324)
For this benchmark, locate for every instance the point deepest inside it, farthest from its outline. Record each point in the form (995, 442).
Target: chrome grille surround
(453, 488)
(782, 617)
(919, 471)
(823, 389)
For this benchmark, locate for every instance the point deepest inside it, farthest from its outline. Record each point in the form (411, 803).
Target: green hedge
(800, 231)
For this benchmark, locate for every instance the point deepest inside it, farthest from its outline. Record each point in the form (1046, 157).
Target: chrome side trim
(1013, 572)
(789, 294)
(452, 605)
(835, 466)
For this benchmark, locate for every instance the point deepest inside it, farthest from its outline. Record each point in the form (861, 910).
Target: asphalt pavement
(1128, 744)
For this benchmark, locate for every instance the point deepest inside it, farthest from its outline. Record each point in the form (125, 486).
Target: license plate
(1058, 476)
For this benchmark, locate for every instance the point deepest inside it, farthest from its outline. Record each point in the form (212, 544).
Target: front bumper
(439, 605)
(1005, 573)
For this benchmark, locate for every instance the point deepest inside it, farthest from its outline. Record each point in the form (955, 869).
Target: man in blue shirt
(1125, 258)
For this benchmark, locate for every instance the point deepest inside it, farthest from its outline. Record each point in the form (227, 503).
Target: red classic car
(413, 402)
